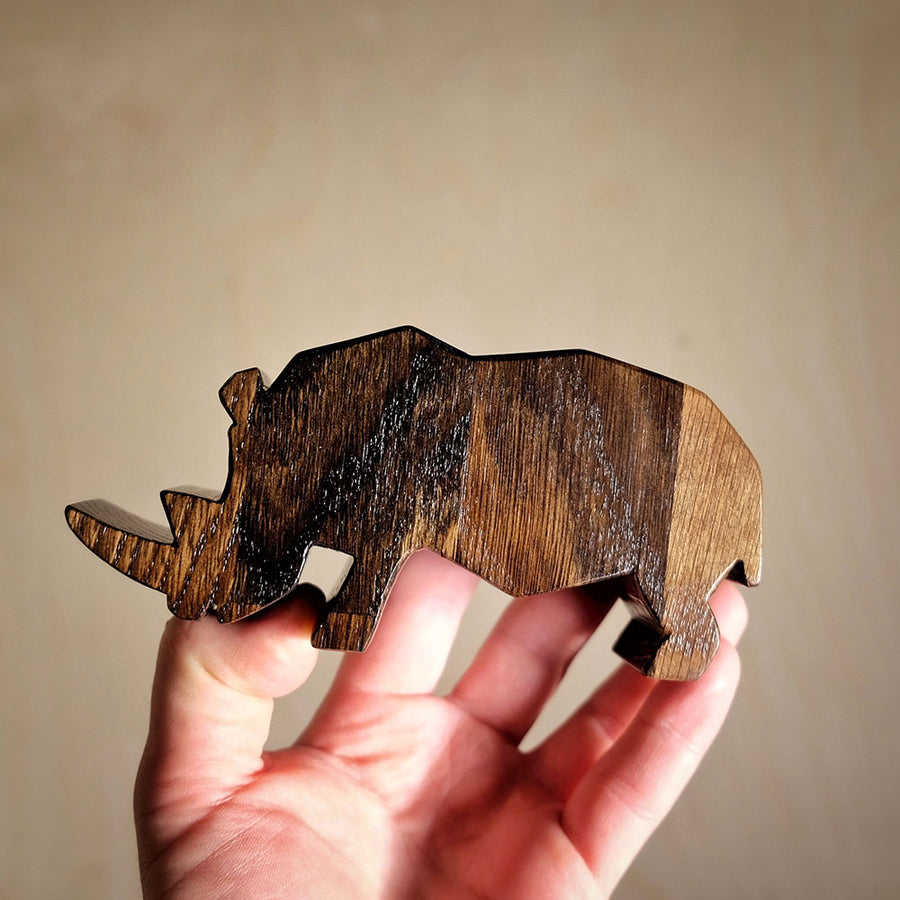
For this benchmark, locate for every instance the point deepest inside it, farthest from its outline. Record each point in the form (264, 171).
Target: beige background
(709, 190)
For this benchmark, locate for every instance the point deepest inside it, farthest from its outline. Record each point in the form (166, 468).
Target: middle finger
(526, 655)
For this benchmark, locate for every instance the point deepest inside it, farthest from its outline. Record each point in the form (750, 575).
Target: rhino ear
(238, 394)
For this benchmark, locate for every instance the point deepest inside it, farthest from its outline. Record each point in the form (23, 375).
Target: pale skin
(393, 791)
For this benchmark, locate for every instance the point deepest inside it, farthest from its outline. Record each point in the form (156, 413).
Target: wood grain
(537, 472)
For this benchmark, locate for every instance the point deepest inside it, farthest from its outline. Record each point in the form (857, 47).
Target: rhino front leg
(670, 640)
(348, 621)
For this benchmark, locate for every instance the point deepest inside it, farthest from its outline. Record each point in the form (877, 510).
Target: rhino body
(537, 472)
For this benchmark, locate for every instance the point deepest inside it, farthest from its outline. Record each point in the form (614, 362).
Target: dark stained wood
(537, 472)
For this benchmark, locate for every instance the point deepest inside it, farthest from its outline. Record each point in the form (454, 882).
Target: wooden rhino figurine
(537, 472)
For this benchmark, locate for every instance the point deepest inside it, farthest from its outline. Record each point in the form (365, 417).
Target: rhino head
(193, 558)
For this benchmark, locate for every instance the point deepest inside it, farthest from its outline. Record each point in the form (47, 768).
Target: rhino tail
(673, 641)
(136, 547)
(747, 571)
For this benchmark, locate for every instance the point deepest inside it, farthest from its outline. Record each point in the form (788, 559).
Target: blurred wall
(709, 190)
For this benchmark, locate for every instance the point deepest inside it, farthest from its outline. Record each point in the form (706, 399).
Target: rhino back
(571, 471)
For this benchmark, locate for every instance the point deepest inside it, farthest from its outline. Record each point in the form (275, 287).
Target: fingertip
(267, 655)
(730, 609)
(427, 572)
(724, 673)
(272, 654)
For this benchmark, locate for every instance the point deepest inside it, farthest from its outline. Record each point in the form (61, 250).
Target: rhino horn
(140, 549)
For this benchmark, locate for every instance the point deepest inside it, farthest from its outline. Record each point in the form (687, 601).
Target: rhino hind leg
(639, 644)
(669, 641)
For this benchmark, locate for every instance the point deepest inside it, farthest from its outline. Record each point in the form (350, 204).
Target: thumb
(212, 703)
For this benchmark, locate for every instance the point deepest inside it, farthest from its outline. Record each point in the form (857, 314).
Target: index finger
(212, 703)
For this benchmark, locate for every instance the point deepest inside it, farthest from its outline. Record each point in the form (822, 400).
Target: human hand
(395, 792)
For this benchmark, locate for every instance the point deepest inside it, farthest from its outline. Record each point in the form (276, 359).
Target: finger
(417, 630)
(562, 760)
(526, 656)
(730, 609)
(212, 705)
(629, 791)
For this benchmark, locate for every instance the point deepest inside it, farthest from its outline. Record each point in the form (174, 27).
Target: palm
(395, 792)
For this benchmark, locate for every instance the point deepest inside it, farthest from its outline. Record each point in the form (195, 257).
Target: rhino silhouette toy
(537, 472)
